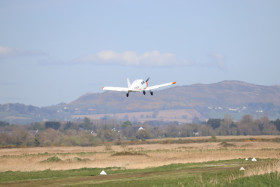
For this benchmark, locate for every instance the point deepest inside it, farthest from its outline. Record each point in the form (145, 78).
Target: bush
(53, 159)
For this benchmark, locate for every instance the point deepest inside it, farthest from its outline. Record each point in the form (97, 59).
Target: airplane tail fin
(128, 82)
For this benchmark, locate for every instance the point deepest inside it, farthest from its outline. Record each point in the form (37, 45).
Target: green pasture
(216, 173)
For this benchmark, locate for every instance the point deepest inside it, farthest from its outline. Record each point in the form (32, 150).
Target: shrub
(53, 159)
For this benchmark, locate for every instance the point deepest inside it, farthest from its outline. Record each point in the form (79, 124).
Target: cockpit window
(142, 82)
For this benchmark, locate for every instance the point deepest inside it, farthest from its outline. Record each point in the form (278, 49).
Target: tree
(52, 124)
(143, 134)
(49, 137)
(263, 123)
(227, 120)
(172, 130)
(128, 132)
(206, 131)
(126, 124)
(37, 126)
(247, 126)
(86, 124)
(20, 136)
(214, 123)
(3, 124)
(277, 124)
(70, 125)
(246, 119)
(107, 134)
(36, 141)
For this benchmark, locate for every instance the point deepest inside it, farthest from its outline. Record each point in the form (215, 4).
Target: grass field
(189, 164)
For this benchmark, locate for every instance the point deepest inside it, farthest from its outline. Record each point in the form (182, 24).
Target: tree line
(98, 132)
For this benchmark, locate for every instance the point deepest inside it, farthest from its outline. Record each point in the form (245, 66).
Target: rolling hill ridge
(184, 103)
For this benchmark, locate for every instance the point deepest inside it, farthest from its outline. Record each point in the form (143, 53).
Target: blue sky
(56, 51)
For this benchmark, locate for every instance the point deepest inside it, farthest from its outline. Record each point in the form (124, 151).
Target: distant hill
(179, 103)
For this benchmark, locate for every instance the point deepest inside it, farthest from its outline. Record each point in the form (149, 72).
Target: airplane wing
(119, 89)
(159, 86)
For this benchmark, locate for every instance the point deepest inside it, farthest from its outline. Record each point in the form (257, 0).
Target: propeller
(147, 79)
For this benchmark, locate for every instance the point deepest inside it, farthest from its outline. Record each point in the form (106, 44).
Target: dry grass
(264, 168)
(148, 155)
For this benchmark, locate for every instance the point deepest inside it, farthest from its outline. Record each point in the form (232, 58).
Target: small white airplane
(138, 85)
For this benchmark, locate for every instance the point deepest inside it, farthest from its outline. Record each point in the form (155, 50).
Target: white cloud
(14, 52)
(5, 50)
(153, 58)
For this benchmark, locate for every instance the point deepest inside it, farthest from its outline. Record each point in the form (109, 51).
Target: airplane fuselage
(139, 85)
